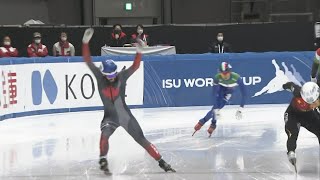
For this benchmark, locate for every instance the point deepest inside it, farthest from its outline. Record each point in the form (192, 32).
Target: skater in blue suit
(224, 84)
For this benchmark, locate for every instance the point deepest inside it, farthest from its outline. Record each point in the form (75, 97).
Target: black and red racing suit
(299, 113)
(116, 111)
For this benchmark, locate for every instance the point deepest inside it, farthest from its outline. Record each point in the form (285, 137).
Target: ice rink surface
(66, 146)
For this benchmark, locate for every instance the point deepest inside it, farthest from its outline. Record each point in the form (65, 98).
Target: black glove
(287, 86)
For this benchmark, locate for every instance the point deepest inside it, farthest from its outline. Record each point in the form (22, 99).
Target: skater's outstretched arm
(314, 70)
(215, 88)
(86, 53)
(243, 92)
(136, 63)
(315, 66)
(292, 87)
(243, 98)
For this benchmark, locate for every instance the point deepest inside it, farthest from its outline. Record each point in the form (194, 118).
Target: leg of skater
(292, 128)
(136, 132)
(214, 112)
(202, 121)
(107, 129)
(312, 124)
(221, 102)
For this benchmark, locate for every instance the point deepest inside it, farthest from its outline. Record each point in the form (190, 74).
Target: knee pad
(107, 131)
(108, 125)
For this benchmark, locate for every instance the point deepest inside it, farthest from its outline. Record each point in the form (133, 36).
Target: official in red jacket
(36, 49)
(63, 47)
(118, 37)
(7, 50)
(140, 34)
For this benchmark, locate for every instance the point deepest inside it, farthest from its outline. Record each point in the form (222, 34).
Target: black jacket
(118, 42)
(218, 47)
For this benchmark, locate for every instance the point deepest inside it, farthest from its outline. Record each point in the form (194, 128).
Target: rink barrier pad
(162, 81)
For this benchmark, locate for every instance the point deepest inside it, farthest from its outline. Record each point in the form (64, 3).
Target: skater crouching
(225, 83)
(301, 112)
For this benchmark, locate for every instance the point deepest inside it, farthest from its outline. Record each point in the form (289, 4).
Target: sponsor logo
(203, 82)
(251, 80)
(71, 88)
(46, 84)
(189, 83)
(8, 89)
(281, 77)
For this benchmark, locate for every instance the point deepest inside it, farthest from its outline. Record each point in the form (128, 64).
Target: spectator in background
(63, 47)
(118, 38)
(219, 46)
(139, 34)
(36, 49)
(7, 50)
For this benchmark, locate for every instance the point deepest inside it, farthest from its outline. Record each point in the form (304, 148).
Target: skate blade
(194, 133)
(171, 170)
(108, 173)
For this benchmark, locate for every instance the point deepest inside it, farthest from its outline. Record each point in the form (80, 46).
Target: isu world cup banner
(187, 80)
(48, 85)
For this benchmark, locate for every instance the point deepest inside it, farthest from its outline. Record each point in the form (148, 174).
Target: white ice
(66, 146)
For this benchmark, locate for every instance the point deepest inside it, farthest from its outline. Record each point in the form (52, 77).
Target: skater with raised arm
(112, 87)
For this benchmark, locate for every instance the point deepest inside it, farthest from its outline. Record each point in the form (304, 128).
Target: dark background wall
(143, 12)
(107, 12)
(200, 11)
(47, 11)
(228, 11)
(12, 13)
(65, 11)
(187, 39)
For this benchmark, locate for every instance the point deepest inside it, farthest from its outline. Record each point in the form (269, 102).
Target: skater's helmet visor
(109, 68)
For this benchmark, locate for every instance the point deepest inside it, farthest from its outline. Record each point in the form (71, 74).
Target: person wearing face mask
(220, 46)
(63, 47)
(139, 34)
(118, 38)
(36, 49)
(7, 50)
